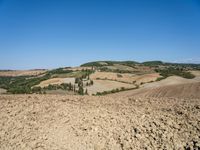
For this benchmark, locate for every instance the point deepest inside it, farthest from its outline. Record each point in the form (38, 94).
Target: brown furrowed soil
(173, 86)
(190, 90)
(58, 122)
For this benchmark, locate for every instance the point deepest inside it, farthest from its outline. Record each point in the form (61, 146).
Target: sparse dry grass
(106, 85)
(21, 73)
(56, 81)
(127, 77)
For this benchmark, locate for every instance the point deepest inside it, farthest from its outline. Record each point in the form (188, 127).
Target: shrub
(91, 82)
(174, 71)
(119, 76)
(36, 89)
(86, 92)
(81, 90)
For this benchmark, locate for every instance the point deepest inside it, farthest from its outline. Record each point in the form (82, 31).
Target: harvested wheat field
(191, 90)
(125, 77)
(16, 73)
(174, 84)
(107, 85)
(46, 122)
(56, 81)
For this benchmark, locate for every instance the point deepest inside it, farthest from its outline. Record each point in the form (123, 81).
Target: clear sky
(58, 33)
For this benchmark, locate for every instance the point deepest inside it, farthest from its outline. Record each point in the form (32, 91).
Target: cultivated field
(87, 122)
(78, 68)
(191, 90)
(174, 85)
(106, 85)
(21, 73)
(163, 114)
(56, 81)
(126, 77)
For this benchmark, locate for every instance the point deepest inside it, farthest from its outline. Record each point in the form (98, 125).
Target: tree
(81, 90)
(70, 86)
(91, 82)
(36, 89)
(74, 88)
(86, 92)
(77, 80)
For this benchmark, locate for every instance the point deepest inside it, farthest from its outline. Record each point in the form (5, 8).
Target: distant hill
(153, 63)
(146, 63)
(108, 63)
(131, 72)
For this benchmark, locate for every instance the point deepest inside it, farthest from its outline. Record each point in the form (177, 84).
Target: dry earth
(127, 77)
(136, 68)
(174, 85)
(191, 90)
(56, 81)
(121, 67)
(160, 115)
(106, 85)
(22, 73)
(45, 122)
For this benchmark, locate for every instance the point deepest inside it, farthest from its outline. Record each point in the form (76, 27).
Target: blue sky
(58, 33)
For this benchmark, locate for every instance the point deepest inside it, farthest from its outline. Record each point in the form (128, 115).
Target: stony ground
(61, 122)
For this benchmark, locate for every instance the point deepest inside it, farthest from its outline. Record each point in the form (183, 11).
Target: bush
(86, 92)
(119, 76)
(36, 89)
(81, 90)
(160, 78)
(115, 91)
(172, 71)
(91, 82)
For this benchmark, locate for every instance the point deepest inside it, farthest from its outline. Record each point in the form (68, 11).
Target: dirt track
(75, 122)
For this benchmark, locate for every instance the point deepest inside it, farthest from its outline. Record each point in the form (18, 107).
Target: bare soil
(174, 86)
(45, 122)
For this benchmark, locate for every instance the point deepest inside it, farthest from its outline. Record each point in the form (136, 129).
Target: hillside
(190, 90)
(16, 73)
(135, 106)
(92, 78)
(146, 63)
(172, 86)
